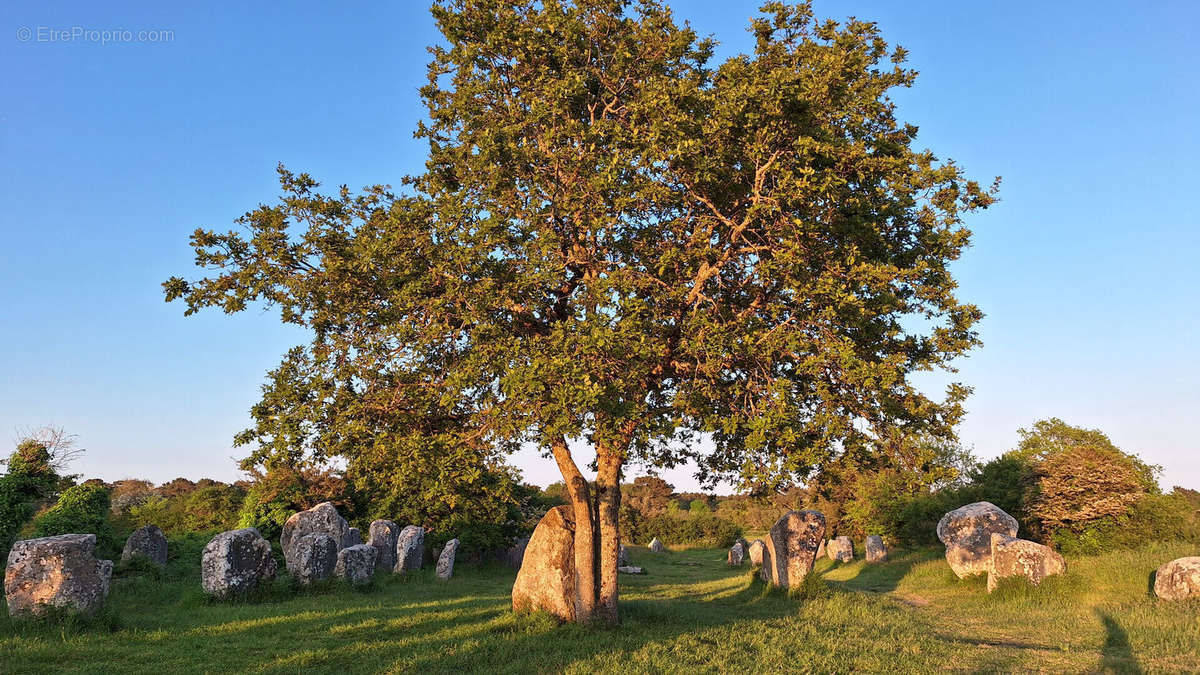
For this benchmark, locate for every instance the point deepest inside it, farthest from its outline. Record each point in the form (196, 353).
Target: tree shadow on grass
(881, 577)
(1118, 655)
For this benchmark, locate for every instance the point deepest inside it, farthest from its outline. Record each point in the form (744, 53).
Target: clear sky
(112, 153)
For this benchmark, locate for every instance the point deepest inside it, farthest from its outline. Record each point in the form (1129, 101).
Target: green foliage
(82, 509)
(275, 496)
(692, 530)
(29, 479)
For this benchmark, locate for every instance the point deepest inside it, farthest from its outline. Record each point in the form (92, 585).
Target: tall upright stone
(320, 519)
(756, 552)
(147, 541)
(546, 580)
(410, 549)
(875, 549)
(60, 571)
(840, 549)
(353, 537)
(236, 562)
(736, 555)
(791, 547)
(314, 558)
(382, 536)
(967, 533)
(445, 563)
(656, 546)
(356, 564)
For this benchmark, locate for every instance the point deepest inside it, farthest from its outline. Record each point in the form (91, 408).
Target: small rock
(840, 549)
(60, 571)
(1178, 579)
(382, 535)
(967, 533)
(410, 549)
(736, 556)
(445, 563)
(314, 557)
(356, 564)
(320, 519)
(1012, 557)
(236, 562)
(630, 569)
(546, 580)
(657, 546)
(147, 541)
(756, 552)
(791, 547)
(875, 548)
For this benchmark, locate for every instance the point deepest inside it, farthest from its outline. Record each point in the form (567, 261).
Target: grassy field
(690, 613)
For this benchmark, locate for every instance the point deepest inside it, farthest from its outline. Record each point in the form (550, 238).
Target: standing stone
(353, 537)
(320, 519)
(546, 580)
(148, 541)
(356, 564)
(791, 547)
(623, 556)
(756, 552)
(60, 571)
(382, 535)
(236, 562)
(1012, 557)
(445, 563)
(410, 549)
(657, 546)
(314, 557)
(737, 555)
(1177, 580)
(821, 551)
(876, 549)
(841, 549)
(967, 533)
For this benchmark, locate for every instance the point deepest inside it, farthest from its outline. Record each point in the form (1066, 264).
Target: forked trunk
(585, 532)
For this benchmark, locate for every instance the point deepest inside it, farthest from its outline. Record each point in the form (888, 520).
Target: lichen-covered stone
(148, 541)
(622, 556)
(60, 571)
(967, 533)
(513, 555)
(756, 552)
(1178, 579)
(821, 551)
(382, 536)
(314, 557)
(736, 556)
(546, 580)
(656, 545)
(840, 549)
(445, 563)
(356, 564)
(791, 547)
(1012, 557)
(410, 549)
(353, 537)
(630, 569)
(236, 562)
(875, 549)
(320, 519)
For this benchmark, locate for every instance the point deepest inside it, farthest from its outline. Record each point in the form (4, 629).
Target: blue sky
(111, 154)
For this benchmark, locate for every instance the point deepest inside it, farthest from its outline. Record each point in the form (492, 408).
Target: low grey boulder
(657, 546)
(445, 563)
(840, 549)
(236, 562)
(356, 564)
(967, 533)
(736, 556)
(148, 541)
(1178, 579)
(875, 549)
(1012, 557)
(382, 536)
(60, 571)
(410, 549)
(314, 557)
(630, 569)
(320, 519)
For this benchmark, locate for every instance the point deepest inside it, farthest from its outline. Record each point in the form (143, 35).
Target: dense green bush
(29, 478)
(82, 509)
(699, 530)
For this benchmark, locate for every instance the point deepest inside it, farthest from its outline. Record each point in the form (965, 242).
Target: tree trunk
(585, 532)
(608, 487)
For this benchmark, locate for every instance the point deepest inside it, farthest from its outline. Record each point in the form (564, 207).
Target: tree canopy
(618, 241)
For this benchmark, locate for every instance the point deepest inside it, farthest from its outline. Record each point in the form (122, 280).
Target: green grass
(689, 613)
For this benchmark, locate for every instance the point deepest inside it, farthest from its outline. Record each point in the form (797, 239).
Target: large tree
(617, 243)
